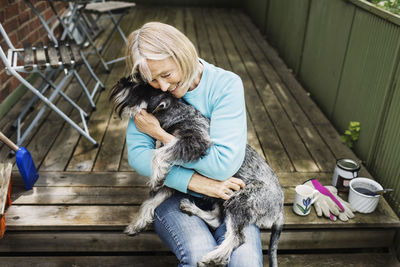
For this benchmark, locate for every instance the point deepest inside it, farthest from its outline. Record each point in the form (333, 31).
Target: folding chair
(66, 57)
(110, 9)
(81, 18)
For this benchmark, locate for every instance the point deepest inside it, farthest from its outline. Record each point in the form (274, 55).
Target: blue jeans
(189, 237)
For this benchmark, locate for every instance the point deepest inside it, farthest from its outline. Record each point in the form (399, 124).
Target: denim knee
(188, 237)
(249, 254)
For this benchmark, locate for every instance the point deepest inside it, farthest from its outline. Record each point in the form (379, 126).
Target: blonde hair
(158, 41)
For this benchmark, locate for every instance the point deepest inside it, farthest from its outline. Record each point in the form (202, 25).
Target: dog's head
(133, 96)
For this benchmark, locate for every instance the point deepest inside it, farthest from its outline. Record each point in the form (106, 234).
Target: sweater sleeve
(140, 149)
(228, 131)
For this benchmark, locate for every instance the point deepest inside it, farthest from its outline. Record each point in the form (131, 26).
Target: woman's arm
(228, 131)
(213, 188)
(140, 154)
(140, 148)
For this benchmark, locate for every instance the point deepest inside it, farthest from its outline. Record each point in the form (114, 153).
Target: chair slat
(65, 55)
(28, 57)
(113, 6)
(41, 56)
(76, 53)
(53, 55)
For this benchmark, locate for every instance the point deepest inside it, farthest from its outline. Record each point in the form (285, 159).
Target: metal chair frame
(78, 20)
(47, 72)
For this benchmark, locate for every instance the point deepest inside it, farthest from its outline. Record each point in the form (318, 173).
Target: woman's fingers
(234, 186)
(228, 187)
(147, 123)
(227, 194)
(237, 181)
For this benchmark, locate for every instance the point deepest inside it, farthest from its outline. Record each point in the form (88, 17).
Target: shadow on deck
(86, 195)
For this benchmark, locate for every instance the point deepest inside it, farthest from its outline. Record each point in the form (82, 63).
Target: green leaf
(304, 211)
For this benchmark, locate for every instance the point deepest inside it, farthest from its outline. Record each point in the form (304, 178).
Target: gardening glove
(348, 212)
(325, 206)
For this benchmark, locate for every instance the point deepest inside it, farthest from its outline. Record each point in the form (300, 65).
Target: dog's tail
(273, 242)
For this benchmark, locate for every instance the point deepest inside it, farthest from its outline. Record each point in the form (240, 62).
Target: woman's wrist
(163, 136)
(213, 188)
(201, 184)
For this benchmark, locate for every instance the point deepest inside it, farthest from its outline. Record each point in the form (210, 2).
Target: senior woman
(167, 60)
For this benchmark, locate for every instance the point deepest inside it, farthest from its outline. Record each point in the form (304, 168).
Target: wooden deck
(86, 195)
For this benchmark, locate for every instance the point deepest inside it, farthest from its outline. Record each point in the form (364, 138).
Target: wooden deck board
(287, 133)
(309, 135)
(85, 196)
(115, 241)
(272, 146)
(100, 195)
(162, 259)
(100, 217)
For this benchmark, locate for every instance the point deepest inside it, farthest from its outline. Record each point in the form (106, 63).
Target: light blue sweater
(220, 97)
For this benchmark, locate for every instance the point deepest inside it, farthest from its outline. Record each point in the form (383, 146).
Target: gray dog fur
(259, 202)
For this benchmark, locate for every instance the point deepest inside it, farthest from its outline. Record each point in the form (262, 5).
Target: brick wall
(22, 26)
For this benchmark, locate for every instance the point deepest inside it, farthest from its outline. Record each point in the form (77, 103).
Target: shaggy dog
(259, 202)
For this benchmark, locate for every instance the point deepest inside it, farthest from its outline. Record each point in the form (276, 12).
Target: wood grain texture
(41, 56)
(5, 179)
(85, 196)
(96, 217)
(53, 55)
(29, 57)
(65, 55)
(116, 241)
(162, 259)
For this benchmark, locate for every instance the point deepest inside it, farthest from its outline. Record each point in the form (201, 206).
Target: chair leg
(82, 84)
(87, 36)
(116, 27)
(42, 88)
(94, 76)
(116, 23)
(48, 102)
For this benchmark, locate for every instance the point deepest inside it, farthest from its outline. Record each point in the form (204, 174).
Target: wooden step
(51, 241)
(66, 210)
(284, 260)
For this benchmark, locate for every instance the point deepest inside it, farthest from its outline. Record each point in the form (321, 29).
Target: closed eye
(166, 75)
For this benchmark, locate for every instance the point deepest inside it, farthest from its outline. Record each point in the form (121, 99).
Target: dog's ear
(158, 103)
(120, 90)
(120, 93)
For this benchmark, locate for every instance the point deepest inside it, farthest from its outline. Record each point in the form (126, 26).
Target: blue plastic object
(26, 167)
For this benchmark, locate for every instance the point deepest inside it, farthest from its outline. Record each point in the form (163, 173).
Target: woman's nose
(164, 86)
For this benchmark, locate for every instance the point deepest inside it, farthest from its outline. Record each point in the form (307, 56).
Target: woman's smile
(173, 89)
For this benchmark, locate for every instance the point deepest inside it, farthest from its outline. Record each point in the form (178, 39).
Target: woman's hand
(148, 124)
(214, 188)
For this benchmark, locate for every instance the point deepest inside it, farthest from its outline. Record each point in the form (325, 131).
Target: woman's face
(166, 76)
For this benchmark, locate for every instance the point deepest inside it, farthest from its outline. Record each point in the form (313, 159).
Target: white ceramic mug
(305, 196)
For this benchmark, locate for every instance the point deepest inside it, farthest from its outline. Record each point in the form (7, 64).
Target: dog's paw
(131, 230)
(186, 206)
